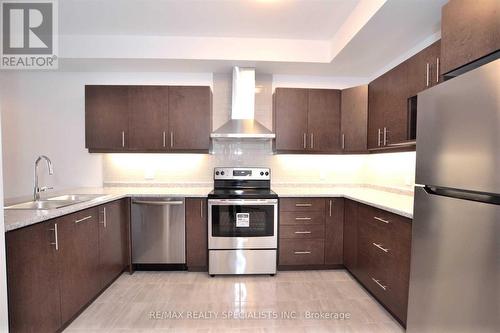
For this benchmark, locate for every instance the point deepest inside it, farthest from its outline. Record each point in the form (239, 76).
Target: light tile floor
(132, 302)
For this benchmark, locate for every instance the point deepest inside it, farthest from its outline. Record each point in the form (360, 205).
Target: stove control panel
(242, 173)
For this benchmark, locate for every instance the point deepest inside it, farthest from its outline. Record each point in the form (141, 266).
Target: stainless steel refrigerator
(455, 262)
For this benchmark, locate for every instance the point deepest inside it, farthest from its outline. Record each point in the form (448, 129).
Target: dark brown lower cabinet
(334, 231)
(113, 235)
(32, 278)
(78, 260)
(351, 235)
(196, 234)
(55, 268)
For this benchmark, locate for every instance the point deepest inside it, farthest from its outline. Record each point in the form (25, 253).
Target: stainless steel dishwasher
(158, 233)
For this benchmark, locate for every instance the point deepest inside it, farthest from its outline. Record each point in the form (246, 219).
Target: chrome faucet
(37, 190)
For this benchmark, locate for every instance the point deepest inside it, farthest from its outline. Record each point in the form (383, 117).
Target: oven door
(242, 224)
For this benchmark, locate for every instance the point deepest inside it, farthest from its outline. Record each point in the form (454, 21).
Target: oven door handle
(227, 202)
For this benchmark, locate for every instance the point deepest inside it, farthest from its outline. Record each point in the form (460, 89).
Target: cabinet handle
(123, 139)
(56, 237)
(302, 252)
(437, 70)
(302, 232)
(380, 247)
(385, 136)
(171, 139)
(378, 137)
(427, 74)
(330, 208)
(164, 139)
(303, 205)
(305, 141)
(343, 141)
(381, 220)
(379, 284)
(84, 219)
(302, 218)
(201, 208)
(312, 140)
(104, 217)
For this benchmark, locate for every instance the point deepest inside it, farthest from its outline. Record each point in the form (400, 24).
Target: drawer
(301, 252)
(302, 218)
(302, 205)
(373, 239)
(84, 216)
(314, 231)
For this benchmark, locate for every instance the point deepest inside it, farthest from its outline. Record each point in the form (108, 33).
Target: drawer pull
(303, 205)
(303, 218)
(302, 252)
(381, 220)
(379, 284)
(302, 232)
(83, 219)
(380, 247)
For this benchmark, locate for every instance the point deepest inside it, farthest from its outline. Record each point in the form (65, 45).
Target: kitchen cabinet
(32, 278)
(307, 120)
(190, 118)
(470, 30)
(148, 112)
(334, 231)
(106, 118)
(354, 119)
(55, 268)
(148, 118)
(196, 234)
(113, 235)
(387, 108)
(350, 253)
(423, 69)
(78, 260)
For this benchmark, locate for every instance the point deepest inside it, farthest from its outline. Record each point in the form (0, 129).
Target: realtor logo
(29, 39)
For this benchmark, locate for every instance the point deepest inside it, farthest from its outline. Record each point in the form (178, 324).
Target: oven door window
(243, 221)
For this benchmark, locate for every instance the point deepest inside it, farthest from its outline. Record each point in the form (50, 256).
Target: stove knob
(217, 173)
(267, 173)
(222, 173)
(262, 173)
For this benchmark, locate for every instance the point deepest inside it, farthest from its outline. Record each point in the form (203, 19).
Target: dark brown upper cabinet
(106, 118)
(470, 30)
(148, 118)
(423, 69)
(307, 120)
(190, 118)
(354, 119)
(148, 112)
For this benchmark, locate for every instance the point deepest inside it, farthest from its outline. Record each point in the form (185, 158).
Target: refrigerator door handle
(487, 198)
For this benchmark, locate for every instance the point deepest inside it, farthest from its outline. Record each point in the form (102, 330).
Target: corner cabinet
(56, 268)
(307, 120)
(354, 119)
(147, 118)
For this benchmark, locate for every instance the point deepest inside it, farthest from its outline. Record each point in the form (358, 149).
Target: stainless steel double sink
(55, 202)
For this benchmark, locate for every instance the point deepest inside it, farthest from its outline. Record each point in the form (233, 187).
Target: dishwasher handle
(157, 203)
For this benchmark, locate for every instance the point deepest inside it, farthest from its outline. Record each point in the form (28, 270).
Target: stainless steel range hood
(242, 124)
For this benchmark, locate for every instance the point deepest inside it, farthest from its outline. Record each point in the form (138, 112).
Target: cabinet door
(351, 235)
(148, 110)
(78, 258)
(113, 220)
(323, 120)
(469, 30)
(32, 277)
(423, 69)
(334, 231)
(377, 103)
(396, 105)
(196, 234)
(106, 118)
(290, 119)
(190, 118)
(354, 119)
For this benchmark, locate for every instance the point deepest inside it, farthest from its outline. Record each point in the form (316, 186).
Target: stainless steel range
(242, 222)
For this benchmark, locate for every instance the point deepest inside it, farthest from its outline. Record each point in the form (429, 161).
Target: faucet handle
(45, 188)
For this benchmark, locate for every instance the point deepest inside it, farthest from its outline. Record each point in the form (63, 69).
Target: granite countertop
(393, 201)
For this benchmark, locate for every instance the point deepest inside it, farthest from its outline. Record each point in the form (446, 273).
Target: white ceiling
(288, 19)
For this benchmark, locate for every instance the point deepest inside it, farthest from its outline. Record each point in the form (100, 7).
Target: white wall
(43, 113)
